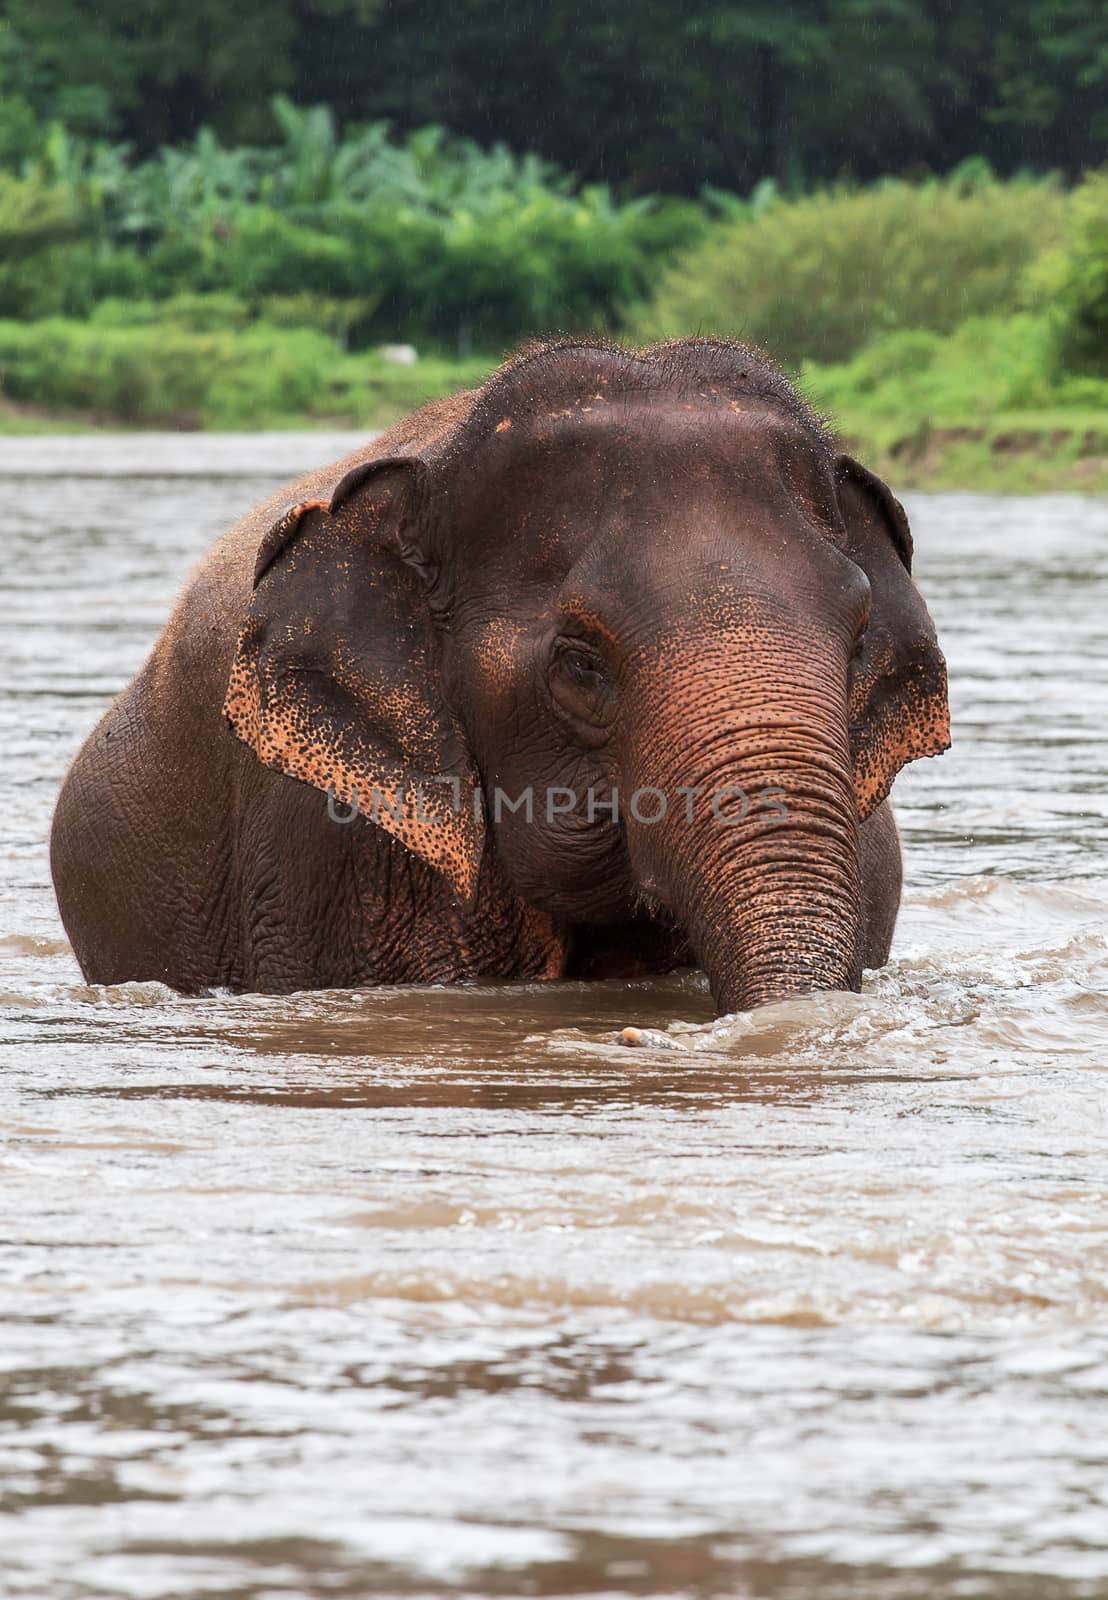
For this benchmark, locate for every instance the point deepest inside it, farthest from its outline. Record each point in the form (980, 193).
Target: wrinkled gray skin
(604, 570)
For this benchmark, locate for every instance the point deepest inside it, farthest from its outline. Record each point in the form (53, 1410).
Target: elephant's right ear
(335, 679)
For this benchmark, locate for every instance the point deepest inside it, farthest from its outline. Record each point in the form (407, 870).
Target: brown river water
(441, 1292)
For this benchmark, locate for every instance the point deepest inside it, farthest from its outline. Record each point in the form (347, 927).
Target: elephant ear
(898, 694)
(334, 679)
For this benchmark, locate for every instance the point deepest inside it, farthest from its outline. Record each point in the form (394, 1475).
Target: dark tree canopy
(646, 94)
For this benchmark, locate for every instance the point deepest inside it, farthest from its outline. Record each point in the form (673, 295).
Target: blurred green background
(217, 216)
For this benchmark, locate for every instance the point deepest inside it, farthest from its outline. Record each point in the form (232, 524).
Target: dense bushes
(987, 366)
(435, 240)
(1073, 281)
(244, 286)
(432, 238)
(819, 277)
(166, 372)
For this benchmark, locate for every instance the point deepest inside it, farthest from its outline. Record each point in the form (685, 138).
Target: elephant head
(641, 588)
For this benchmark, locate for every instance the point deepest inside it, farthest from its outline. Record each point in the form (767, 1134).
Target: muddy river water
(443, 1293)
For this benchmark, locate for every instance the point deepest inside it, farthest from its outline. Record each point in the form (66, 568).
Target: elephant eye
(582, 668)
(580, 682)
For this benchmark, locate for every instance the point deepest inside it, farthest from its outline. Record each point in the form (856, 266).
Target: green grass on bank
(168, 375)
(1015, 452)
(983, 408)
(976, 409)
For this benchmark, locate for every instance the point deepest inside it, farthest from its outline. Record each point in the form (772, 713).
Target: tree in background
(644, 94)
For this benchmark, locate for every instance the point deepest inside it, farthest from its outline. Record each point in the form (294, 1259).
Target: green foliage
(816, 278)
(429, 238)
(39, 221)
(122, 372)
(641, 93)
(980, 408)
(644, 94)
(33, 215)
(1073, 282)
(987, 365)
(242, 286)
(165, 372)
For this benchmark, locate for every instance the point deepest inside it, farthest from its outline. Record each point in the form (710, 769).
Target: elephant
(643, 582)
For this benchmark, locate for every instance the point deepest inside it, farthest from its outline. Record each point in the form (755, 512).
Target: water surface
(441, 1292)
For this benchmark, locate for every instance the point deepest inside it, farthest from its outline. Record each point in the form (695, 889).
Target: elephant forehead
(633, 428)
(554, 479)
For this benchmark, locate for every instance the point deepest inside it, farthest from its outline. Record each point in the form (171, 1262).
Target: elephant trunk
(758, 858)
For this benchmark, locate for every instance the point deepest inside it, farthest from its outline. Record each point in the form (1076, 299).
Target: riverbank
(1033, 452)
(68, 374)
(60, 375)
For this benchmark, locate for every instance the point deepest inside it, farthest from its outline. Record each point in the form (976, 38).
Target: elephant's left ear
(898, 694)
(335, 677)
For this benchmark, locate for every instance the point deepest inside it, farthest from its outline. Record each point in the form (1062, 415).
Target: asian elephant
(639, 585)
